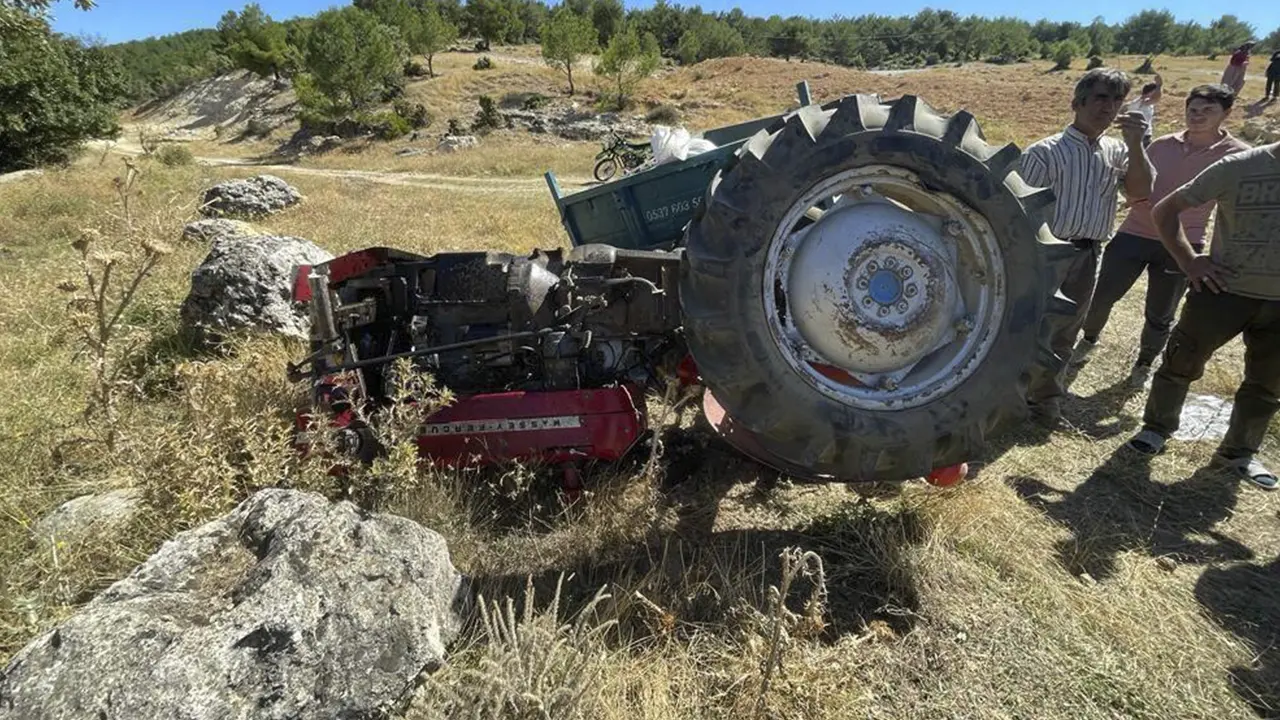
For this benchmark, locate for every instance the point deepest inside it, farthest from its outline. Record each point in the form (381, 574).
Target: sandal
(1147, 442)
(1248, 468)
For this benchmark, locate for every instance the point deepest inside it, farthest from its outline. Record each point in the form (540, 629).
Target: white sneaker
(1084, 348)
(1140, 376)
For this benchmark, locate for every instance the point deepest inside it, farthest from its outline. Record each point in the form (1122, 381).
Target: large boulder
(288, 607)
(250, 198)
(246, 284)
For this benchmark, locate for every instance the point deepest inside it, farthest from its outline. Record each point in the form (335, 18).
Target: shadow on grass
(688, 584)
(1118, 508)
(677, 580)
(1245, 600)
(1100, 415)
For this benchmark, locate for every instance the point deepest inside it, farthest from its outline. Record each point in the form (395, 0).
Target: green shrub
(387, 125)
(55, 93)
(488, 118)
(1063, 53)
(414, 113)
(171, 155)
(1094, 62)
(484, 63)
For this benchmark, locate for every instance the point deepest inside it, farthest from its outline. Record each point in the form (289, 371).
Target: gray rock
(253, 197)
(87, 517)
(451, 143)
(321, 143)
(246, 284)
(288, 607)
(411, 152)
(207, 231)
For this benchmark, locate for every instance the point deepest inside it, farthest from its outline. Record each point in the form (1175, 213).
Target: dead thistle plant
(111, 272)
(795, 563)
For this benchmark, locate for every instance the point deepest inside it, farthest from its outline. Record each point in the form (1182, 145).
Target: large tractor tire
(865, 289)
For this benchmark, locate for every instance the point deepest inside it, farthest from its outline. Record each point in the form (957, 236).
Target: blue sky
(118, 20)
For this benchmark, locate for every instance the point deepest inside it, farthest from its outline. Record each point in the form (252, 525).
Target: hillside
(1066, 580)
(1017, 103)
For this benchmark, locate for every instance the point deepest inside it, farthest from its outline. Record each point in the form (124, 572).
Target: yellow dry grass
(1066, 580)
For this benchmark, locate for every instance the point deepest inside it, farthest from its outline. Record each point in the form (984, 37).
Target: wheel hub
(887, 296)
(869, 288)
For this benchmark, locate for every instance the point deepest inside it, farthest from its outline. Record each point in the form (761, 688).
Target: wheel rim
(880, 293)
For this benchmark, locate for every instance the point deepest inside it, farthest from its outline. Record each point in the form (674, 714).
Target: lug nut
(952, 227)
(889, 384)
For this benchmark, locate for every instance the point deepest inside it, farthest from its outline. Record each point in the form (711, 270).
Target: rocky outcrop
(246, 284)
(573, 124)
(250, 198)
(288, 607)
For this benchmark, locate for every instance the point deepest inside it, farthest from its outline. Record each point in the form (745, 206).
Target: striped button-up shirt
(1084, 175)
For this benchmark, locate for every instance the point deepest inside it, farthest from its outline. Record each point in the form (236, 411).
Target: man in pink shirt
(1136, 247)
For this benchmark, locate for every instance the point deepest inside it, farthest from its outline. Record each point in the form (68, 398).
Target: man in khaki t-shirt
(1236, 291)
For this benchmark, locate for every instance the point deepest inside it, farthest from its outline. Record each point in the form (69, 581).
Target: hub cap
(888, 297)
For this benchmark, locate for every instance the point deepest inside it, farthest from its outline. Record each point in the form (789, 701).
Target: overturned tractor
(860, 287)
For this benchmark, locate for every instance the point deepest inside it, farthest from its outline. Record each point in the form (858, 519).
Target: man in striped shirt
(1085, 170)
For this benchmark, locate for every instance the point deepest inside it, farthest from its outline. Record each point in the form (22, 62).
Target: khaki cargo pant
(1207, 323)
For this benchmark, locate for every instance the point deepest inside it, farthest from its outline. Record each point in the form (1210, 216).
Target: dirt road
(430, 181)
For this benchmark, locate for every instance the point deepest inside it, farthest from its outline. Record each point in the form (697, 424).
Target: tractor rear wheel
(865, 286)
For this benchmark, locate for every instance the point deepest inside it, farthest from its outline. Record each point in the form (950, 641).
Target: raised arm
(1139, 176)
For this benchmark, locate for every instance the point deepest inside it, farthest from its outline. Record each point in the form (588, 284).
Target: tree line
(251, 39)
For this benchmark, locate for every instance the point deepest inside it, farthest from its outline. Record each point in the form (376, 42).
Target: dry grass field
(1066, 579)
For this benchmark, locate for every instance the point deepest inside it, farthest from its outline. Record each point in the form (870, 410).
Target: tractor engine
(547, 355)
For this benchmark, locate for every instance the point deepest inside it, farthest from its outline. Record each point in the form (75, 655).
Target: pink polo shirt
(1176, 164)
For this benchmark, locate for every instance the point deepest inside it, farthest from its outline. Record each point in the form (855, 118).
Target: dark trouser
(1126, 257)
(1077, 286)
(1273, 85)
(1208, 322)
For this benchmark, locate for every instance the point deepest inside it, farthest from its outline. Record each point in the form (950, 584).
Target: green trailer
(649, 209)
